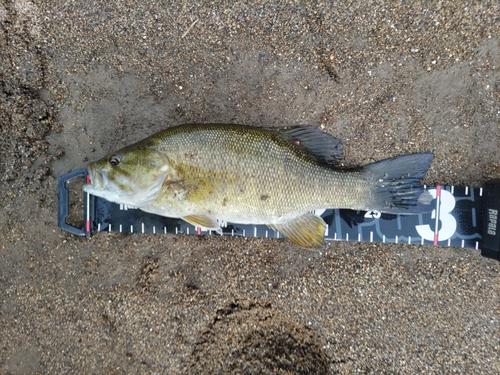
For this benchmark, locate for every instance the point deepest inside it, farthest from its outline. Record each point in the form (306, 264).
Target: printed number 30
(448, 222)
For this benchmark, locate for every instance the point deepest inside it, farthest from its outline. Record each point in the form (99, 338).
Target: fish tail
(396, 188)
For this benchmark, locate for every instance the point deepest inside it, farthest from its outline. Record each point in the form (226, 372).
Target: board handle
(63, 202)
(490, 243)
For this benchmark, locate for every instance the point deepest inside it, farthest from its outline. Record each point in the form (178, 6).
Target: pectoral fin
(307, 230)
(203, 221)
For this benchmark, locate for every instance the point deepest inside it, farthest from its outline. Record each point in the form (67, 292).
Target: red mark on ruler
(438, 203)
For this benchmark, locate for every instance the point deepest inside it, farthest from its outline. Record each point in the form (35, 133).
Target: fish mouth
(99, 185)
(96, 180)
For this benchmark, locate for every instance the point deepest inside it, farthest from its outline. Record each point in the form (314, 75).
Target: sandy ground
(79, 79)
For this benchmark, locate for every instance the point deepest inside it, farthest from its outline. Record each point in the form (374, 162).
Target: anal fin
(203, 221)
(307, 230)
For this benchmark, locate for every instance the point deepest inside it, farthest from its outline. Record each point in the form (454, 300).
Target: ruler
(462, 216)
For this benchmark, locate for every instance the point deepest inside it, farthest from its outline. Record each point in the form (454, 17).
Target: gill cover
(132, 176)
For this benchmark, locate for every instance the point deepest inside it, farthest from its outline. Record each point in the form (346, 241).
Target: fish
(207, 174)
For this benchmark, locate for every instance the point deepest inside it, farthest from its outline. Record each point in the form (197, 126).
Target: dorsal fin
(325, 148)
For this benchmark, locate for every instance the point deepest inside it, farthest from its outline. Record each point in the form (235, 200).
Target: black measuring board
(462, 217)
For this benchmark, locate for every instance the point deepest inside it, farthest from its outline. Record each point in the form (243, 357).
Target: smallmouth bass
(206, 173)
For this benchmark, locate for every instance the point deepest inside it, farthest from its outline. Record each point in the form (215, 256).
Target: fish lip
(90, 174)
(96, 179)
(88, 186)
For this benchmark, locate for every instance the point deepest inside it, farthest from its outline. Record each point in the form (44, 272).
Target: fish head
(132, 175)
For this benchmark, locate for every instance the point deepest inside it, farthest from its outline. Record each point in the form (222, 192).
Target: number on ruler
(448, 222)
(373, 215)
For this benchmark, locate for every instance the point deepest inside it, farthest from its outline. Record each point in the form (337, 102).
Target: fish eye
(114, 161)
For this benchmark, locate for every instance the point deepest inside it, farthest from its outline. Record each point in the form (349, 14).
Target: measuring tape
(462, 217)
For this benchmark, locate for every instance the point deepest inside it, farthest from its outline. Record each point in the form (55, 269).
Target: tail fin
(396, 188)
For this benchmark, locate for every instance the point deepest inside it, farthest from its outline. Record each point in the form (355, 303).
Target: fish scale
(258, 166)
